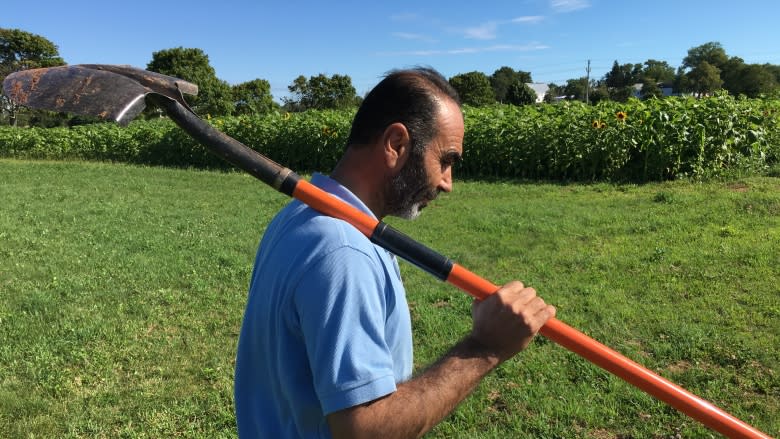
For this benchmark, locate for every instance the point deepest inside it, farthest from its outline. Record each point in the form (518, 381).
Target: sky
(280, 40)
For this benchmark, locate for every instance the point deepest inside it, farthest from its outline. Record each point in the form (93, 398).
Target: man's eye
(449, 161)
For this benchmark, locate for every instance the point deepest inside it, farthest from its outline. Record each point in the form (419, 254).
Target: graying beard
(411, 178)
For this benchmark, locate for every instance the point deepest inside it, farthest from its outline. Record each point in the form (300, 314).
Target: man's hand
(507, 321)
(504, 324)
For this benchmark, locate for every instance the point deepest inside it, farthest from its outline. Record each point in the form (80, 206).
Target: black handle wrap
(411, 250)
(275, 175)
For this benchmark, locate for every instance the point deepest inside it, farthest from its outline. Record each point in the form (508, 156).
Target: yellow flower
(598, 124)
(621, 115)
(286, 116)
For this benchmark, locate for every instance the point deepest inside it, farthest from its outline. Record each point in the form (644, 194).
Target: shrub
(656, 139)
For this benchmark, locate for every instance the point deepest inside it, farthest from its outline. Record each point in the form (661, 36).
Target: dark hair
(411, 97)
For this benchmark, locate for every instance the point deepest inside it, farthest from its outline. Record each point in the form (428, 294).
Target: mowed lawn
(122, 290)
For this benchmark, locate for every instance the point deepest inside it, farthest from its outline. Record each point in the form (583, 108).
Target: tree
(650, 88)
(20, 50)
(705, 78)
(321, 92)
(599, 92)
(503, 78)
(711, 53)
(682, 84)
(731, 74)
(575, 88)
(623, 75)
(755, 80)
(774, 70)
(520, 93)
(253, 97)
(214, 95)
(474, 88)
(657, 71)
(751, 80)
(553, 91)
(621, 79)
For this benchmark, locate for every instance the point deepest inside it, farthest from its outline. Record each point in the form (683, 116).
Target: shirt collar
(333, 187)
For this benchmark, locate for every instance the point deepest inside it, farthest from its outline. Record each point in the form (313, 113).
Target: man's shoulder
(304, 227)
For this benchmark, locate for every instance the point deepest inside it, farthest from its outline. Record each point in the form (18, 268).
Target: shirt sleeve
(341, 304)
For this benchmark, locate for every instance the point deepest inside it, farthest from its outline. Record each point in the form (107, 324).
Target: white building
(540, 89)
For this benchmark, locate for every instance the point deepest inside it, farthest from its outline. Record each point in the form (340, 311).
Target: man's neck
(356, 172)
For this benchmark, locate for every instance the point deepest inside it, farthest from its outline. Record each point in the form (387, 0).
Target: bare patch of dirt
(601, 433)
(678, 367)
(738, 187)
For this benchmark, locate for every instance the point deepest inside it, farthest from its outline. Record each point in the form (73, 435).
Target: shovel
(120, 93)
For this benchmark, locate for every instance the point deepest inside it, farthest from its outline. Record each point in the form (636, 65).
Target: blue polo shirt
(326, 326)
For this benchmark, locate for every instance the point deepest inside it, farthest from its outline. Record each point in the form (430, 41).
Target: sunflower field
(637, 141)
(658, 139)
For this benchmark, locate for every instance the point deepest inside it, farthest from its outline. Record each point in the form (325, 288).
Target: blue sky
(277, 41)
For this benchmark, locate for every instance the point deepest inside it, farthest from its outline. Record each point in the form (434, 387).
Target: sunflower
(596, 124)
(621, 115)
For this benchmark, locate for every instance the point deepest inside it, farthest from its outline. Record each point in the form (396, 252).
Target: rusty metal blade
(165, 85)
(78, 90)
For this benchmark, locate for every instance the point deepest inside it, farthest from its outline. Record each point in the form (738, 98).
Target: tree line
(706, 69)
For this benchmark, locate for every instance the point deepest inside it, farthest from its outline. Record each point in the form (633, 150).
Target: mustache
(426, 194)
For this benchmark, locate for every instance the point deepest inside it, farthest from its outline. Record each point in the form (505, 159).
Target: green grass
(122, 290)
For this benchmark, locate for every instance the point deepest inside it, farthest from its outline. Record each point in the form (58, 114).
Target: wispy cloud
(489, 30)
(414, 37)
(471, 50)
(568, 5)
(486, 31)
(530, 19)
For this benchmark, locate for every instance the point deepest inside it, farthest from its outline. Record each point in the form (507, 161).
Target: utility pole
(587, 84)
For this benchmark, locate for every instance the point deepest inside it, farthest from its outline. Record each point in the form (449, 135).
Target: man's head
(411, 97)
(417, 114)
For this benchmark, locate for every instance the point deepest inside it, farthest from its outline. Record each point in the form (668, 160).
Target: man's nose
(445, 184)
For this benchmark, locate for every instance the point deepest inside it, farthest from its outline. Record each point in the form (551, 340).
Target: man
(326, 346)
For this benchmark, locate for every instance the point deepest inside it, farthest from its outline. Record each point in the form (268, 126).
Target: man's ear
(396, 146)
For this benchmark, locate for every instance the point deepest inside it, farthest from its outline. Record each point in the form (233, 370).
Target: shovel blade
(165, 85)
(77, 90)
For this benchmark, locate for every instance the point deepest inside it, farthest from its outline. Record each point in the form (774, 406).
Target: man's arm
(504, 324)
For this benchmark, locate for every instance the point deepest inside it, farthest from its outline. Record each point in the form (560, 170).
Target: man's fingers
(528, 301)
(523, 301)
(515, 291)
(517, 299)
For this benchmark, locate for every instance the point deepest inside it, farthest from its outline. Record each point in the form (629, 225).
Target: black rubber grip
(288, 184)
(228, 148)
(411, 250)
